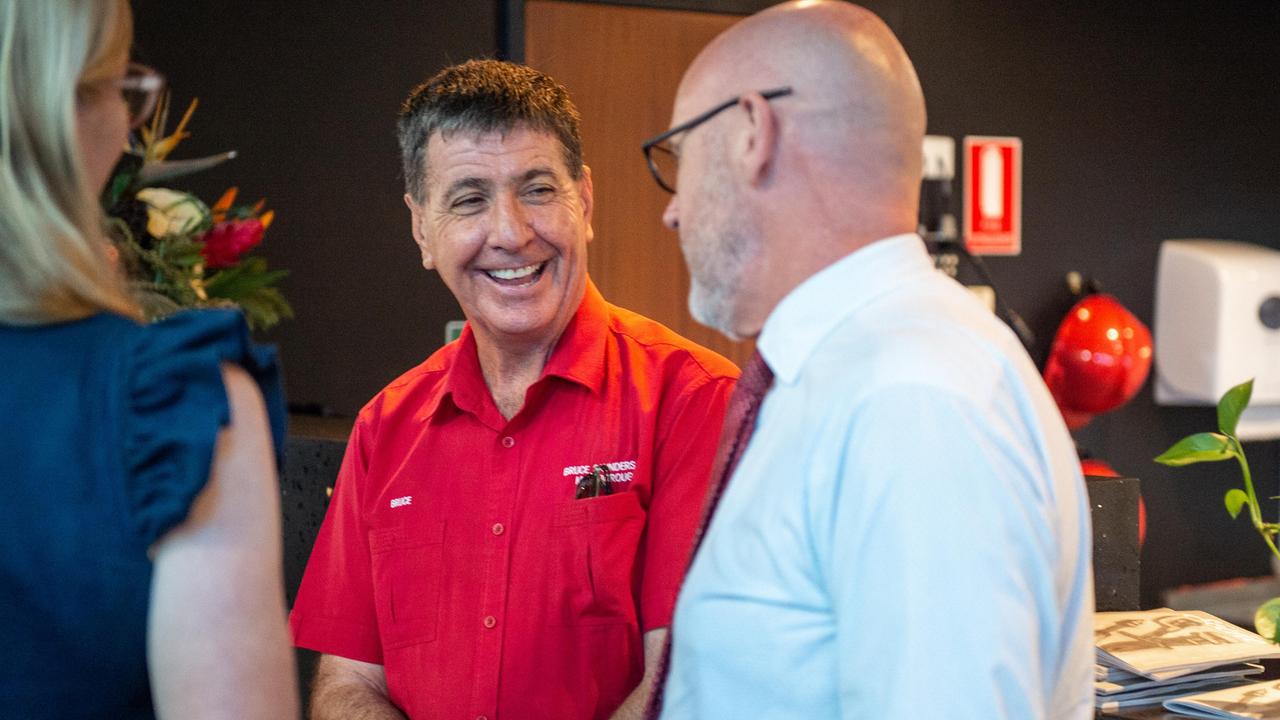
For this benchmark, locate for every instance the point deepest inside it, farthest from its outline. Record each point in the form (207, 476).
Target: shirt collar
(816, 306)
(578, 356)
(580, 353)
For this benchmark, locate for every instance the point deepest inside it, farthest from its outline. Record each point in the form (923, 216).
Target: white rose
(170, 212)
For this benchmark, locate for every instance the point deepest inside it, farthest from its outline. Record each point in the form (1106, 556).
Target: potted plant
(1224, 445)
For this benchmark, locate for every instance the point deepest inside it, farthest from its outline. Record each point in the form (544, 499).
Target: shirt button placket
(501, 495)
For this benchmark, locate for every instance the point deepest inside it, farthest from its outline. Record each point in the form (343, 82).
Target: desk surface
(327, 428)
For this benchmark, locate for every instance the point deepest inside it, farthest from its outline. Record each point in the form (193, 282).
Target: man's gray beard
(711, 307)
(713, 291)
(720, 254)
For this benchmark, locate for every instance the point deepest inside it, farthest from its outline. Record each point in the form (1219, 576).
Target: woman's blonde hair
(54, 255)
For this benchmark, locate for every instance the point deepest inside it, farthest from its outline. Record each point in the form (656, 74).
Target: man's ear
(758, 144)
(586, 191)
(419, 218)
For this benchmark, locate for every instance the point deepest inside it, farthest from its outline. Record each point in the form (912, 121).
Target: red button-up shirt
(455, 554)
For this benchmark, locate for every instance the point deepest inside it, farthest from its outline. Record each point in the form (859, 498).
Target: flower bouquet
(179, 252)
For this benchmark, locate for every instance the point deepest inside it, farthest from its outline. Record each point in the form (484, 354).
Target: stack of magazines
(1154, 656)
(1255, 701)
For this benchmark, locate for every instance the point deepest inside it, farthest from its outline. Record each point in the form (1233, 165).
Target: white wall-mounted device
(1217, 324)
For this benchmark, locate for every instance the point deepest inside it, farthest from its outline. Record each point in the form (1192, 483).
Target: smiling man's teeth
(514, 273)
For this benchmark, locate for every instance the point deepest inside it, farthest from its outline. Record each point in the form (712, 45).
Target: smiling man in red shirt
(513, 516)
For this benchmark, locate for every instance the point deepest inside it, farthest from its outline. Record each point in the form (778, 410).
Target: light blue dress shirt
(907, 535)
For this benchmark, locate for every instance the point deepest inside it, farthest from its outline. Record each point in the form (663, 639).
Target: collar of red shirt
(579, 356)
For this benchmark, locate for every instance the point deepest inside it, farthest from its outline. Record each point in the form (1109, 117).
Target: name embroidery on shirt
(401, 501)
(620, 471)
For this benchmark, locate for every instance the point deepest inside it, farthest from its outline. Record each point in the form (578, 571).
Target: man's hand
(633, 708)
(352, 690)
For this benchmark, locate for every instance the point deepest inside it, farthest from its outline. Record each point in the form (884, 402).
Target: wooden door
(622, 66)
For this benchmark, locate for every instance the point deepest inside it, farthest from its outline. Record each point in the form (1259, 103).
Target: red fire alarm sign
(993, 195)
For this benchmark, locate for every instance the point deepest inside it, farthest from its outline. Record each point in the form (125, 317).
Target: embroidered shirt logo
(620, 471)
(401, 501)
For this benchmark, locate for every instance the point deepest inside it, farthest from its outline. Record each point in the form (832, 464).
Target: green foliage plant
(1225, 445)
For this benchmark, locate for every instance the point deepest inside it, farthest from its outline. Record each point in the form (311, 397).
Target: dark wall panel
(308, 94)
(1139, 123)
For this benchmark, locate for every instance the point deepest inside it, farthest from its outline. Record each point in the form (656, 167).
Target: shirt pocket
(408, 574)
(599, 540)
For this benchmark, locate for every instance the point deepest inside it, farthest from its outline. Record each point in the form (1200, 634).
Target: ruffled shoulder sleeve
(176, 404)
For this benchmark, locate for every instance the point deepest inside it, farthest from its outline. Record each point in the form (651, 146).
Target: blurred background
(1139, 122)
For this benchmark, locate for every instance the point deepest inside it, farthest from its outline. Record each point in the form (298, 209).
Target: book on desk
(1150, 657)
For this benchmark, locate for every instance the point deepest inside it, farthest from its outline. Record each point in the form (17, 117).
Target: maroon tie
(739, 423)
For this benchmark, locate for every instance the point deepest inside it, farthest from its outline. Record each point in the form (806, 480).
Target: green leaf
(1233, 402)
(1235, 499)
(116, 189)
(236, 282)
(264, 307)
(123, 180)
(1267, 620)
(1201, 447)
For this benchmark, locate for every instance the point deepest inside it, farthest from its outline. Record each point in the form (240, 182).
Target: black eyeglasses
(664, 162)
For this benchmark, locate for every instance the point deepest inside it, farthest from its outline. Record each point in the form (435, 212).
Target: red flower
(227, 241)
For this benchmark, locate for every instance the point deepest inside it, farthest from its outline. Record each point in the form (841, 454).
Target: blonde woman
(139, 534)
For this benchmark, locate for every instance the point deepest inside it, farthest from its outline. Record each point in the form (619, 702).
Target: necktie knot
(756, 377)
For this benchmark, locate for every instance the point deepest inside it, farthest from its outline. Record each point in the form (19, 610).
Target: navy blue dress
(107, 432)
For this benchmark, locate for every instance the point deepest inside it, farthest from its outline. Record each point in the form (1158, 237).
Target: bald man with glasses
(900, 527)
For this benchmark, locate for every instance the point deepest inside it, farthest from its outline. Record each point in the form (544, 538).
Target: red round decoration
(1100, 358)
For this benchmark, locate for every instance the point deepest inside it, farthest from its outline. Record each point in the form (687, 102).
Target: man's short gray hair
(483, 96)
